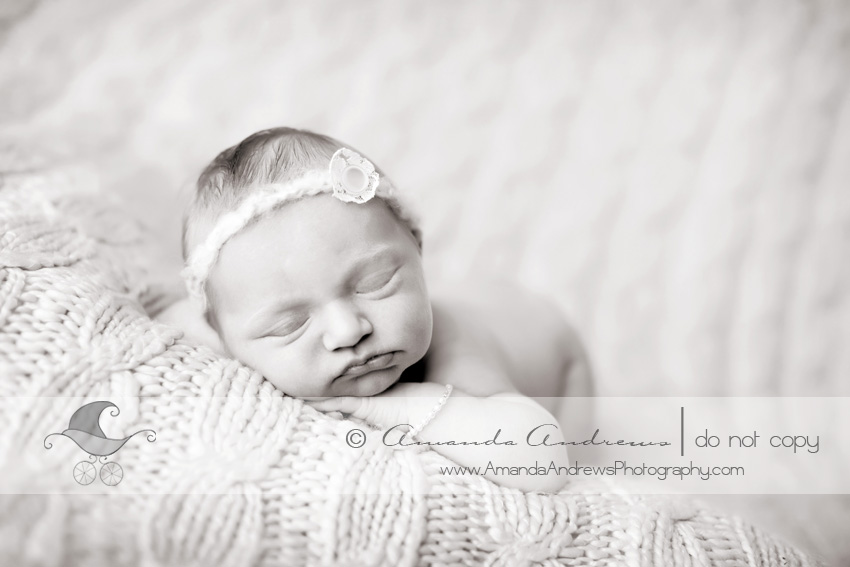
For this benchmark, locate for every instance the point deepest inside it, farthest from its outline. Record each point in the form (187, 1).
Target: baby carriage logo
(84, 430)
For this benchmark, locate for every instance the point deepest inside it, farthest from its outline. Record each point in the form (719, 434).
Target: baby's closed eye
(288, 325)
(376, 281)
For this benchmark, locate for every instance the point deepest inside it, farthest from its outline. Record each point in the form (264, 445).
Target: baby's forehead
(308, 242)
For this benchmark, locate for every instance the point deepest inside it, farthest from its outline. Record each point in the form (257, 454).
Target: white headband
(352, 179)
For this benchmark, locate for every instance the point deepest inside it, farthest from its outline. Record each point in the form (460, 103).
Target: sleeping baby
(304, 262)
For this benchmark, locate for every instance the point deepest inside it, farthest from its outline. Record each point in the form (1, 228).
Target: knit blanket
(240, 474)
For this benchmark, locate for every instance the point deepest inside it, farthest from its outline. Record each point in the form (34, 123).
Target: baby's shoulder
(499, 312)
(504, 326)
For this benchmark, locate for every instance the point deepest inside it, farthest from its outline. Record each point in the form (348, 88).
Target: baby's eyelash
(288, 329)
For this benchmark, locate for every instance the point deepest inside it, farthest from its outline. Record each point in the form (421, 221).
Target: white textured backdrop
(676, 174)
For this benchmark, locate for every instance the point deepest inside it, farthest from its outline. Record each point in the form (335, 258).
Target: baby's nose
(346, 325)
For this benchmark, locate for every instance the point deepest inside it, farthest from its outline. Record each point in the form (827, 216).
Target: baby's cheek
(261, 357)
(284, 368)
(416, 323)
(303, 368)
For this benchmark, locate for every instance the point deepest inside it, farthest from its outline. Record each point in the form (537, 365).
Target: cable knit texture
(239, 474)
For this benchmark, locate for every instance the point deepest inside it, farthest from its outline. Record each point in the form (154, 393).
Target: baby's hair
(269, 156)
(276, 155)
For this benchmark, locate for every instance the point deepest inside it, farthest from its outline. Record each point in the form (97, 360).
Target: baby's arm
(474, 418)
(490, 435)
(484, 401)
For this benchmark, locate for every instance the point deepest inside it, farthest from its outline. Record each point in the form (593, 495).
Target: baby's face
(318, 286)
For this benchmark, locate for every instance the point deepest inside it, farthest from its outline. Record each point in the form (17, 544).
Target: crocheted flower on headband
(350, 178)
(354, 177)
